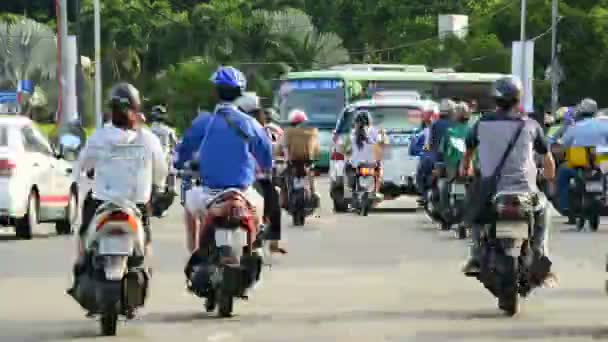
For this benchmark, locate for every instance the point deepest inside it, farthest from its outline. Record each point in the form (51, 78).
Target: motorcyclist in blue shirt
(585, 110)
(230, 144)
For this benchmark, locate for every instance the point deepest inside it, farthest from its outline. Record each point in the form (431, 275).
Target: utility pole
(79, 74)
(62, 37)
(554, 61)
(522, 38)
(98, 113)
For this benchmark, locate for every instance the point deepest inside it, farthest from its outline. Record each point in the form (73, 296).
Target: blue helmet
(229, 77)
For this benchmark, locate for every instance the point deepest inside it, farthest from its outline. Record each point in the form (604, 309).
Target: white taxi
(36, 184)
(401, 119)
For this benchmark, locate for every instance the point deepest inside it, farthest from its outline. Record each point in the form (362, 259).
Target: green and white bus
(323, 94)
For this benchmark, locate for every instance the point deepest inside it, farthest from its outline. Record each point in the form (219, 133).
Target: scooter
(301, 201)
(114, 281)
(363, 188)
(509, 267)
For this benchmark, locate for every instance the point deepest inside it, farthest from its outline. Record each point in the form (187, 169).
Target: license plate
(512, 229)
(459, 189)
(299, 183)
(115, 246)
(594, 187)
(366, 182)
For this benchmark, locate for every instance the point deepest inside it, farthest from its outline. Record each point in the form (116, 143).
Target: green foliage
(156, 43)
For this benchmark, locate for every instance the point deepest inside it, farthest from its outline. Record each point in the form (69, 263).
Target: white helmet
(248, 102)
(588, 106)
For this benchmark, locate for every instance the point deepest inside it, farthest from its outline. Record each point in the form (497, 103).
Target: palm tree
(298, 41)
(28, 49)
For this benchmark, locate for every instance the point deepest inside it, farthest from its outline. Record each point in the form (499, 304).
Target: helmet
(248, 102)
(297, 116)
(158, 113)
(363, 117)
(229, 77)
(587, 106)
(124, 96)
(507, 91)
(446, 107)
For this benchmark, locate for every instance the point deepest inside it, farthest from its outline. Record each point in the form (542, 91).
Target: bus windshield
(322, 100)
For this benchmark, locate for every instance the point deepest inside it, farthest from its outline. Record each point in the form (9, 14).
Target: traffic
(468, 158)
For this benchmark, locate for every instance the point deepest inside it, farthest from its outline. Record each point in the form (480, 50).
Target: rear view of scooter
(364, 187)
(510, 268)
(114, 281)
(229, 258)
(301, 200)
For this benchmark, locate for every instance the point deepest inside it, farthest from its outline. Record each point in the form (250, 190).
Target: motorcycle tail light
(365, 171)
(510, 211)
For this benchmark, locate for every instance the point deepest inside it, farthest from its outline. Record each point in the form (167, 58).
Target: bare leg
(191, 230)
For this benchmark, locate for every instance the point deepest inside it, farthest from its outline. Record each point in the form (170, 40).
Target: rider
(296, 144)
(418, 148)
(125, 103)
(160, 127)
(491, 135)
(587, 109)
(364, 139)
(230, 144)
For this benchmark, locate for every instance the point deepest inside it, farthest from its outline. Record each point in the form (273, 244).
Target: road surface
(391, 276)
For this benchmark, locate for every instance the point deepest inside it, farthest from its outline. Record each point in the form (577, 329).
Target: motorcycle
(230, 253)
(509, 266)
(586, 196)
(301, 202)
(432, 204)
(115, 281)
(363, 187)
(454, 206)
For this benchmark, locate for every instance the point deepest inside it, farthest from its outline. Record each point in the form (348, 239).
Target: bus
(323, 94)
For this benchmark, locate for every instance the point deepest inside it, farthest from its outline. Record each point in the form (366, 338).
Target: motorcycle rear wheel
(509, 297)
(225, 304)
(108, 322)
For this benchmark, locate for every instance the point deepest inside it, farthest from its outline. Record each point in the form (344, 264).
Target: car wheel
(66, 226)
(26, 225)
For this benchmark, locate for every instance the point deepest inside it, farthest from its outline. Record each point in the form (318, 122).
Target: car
(37, 184)
(401, 119)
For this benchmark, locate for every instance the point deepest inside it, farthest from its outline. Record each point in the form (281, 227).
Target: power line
(397, 47)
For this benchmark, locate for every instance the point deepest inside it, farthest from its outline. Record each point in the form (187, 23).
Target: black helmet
(159, 113)
(507, 92)
(363, 117)
(124, 96)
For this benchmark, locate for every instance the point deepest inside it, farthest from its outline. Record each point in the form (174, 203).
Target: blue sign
(314, 84)
(25, 86)
(8, 97)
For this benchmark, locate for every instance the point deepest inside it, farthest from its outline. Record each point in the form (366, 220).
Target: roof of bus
(351, 75)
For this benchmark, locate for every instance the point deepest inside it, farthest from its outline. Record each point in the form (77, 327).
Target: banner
(525, 73)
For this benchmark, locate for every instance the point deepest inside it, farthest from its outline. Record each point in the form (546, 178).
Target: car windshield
(402, 118)
(322, 100)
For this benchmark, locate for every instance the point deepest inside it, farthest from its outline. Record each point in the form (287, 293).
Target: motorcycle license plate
(512, 229)
(594, 187)
(229, 237)
(115, 246)
(299, 183)
(366, 182)
(459, 189)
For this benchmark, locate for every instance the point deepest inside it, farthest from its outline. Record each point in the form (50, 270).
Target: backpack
(453, 145)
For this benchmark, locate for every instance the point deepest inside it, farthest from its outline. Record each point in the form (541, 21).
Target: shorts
(198, 197)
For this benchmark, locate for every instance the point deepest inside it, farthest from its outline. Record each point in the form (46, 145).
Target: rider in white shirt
(364, 139)
(119, 178)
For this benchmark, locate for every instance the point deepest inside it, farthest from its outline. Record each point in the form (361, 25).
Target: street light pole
(522, 38)
(554, 63)
(98, 113)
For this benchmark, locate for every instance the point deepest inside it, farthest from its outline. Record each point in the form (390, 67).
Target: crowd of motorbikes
(230, 255)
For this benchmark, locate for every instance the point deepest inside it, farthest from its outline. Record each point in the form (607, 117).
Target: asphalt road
(391, 276)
